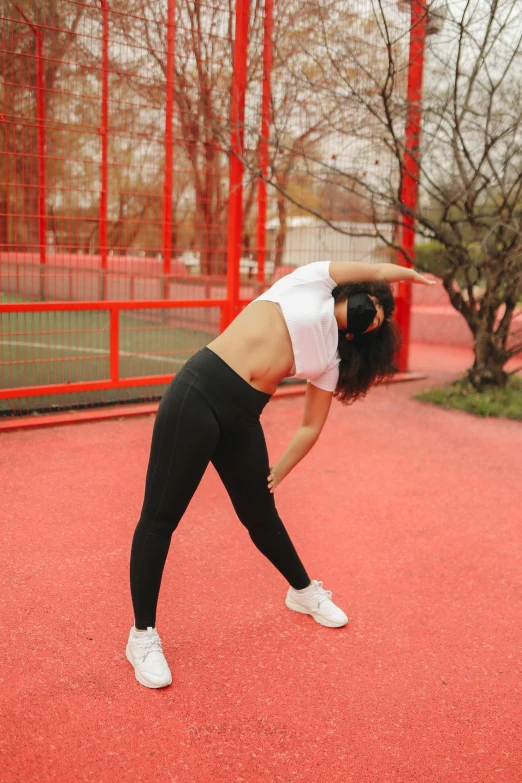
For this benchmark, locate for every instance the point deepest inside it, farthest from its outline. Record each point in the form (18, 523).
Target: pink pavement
(409, 513)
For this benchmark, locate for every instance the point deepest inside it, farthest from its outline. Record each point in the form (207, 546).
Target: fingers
(272, 481)
(423, 280)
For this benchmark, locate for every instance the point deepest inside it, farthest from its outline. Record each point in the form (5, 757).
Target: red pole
(42, 224)
(40, 116)
(410, 178)
(102, 231)
(167, 188)
(235, 197)
(264, 139)
(7, 238)
(114, 315)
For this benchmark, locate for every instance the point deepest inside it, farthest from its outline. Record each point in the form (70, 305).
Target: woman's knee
(260, 520)
(161, 525)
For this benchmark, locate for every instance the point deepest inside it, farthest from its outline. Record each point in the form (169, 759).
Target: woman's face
(379, 315)
(377, 321)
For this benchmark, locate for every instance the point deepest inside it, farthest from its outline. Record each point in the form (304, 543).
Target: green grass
(493, 401)
(5, 298)
(72, 346)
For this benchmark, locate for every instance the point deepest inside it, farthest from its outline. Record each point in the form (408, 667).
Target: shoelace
(321, 593)
(146, 646)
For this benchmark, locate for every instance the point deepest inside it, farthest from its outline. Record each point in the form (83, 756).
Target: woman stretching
(327, 322)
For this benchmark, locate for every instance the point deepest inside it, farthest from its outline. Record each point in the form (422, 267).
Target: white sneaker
(145, 653)
(316, 601)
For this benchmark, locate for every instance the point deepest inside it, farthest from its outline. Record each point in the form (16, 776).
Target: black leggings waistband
(226, 382)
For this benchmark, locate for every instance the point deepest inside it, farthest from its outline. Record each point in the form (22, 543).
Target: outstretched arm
(357, 272)
(317, 405)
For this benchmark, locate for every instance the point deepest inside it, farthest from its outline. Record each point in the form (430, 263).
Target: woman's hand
(273, 480)
(417, 278)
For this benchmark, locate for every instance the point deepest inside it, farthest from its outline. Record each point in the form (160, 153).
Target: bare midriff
(257, 346)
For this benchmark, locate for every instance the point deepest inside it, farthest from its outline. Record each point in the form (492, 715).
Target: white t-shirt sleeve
(317, 271)
(328, 379)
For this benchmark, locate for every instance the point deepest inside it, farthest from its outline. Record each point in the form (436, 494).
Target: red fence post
(7, 207)
(235, 197)
(114, 338)
(264, 138)
(167, 188)
(410, 177)
(102, 230)
(42, 221)
(40, 119)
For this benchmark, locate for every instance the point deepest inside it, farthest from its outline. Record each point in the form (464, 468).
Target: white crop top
(305, 298)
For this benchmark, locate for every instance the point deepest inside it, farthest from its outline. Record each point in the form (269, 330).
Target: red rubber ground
(409, 513)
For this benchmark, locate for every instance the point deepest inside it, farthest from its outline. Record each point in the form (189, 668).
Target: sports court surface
(409, 513)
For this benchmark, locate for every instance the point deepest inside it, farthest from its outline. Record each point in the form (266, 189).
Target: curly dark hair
(369, 358)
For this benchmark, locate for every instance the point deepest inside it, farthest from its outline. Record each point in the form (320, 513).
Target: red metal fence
(160, 162)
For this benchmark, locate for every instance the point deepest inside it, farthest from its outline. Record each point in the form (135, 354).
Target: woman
(328, 322)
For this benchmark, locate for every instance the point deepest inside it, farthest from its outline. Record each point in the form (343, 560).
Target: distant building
(309, 239)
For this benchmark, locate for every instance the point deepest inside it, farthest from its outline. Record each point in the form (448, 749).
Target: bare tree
(202, 82)
(299, 122)
(19, 94)
(470, 199)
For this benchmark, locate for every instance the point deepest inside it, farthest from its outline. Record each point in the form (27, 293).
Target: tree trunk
(487, 369)
(30, 218)
(207, 244)
(4, 217)
(281, 234)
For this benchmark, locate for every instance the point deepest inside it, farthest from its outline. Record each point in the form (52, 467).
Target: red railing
(114, 381)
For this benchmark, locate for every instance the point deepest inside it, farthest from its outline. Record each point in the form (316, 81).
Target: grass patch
(460, 395)
(60, 347)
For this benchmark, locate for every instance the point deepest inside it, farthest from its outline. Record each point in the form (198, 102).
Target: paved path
(409, 513)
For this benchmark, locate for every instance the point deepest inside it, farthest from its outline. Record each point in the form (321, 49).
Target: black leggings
(208, 413)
